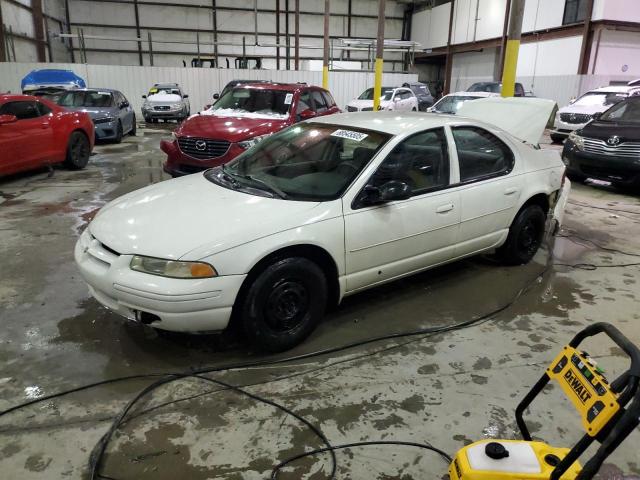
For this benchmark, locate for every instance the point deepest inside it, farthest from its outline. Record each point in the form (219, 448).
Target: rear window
(86, 99)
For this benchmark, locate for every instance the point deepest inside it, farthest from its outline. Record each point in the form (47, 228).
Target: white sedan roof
(394, 123)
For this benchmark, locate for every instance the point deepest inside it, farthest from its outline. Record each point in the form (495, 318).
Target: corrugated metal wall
(199, 83)
(560, 88)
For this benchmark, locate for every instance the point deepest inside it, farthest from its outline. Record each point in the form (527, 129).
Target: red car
(239, 119)
(35, 132)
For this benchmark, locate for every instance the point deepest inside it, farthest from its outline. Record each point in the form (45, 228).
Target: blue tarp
(52, 77)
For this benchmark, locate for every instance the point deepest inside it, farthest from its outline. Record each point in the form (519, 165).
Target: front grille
(575, 117)
(162, 107)
(103, 120)
(202, 148)
(367, 109)
(610, 173)
(600, 147)
(351, 109)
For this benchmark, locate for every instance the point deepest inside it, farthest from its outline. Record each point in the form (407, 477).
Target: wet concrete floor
(448, 389)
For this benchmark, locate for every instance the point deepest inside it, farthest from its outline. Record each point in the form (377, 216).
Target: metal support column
(278, 34)
(38, 29)
(297, 35)
(377, 84)
(449, 60)
(587, 38)
(68, 20)
(150, 47)
(137, 18)
(214, 21)
(3, 40)
(503, 43)
(286, 33)
(513, 46)
(325, 59)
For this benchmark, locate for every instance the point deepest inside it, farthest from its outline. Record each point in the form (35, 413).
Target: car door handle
(444, 208)
(510, 191)
(44, 125)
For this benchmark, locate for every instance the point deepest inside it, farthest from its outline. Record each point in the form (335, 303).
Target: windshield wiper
(270, 187)
(230, 177)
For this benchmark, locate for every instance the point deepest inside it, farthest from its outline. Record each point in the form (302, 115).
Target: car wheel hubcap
(77, 149)
(287, 304)
(529, 238)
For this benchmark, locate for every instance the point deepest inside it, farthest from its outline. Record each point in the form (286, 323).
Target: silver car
(112, 115)
(165, 101)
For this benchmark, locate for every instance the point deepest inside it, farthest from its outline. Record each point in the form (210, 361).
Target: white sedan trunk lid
(524, 118)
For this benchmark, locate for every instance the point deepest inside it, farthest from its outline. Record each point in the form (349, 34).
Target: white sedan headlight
(172, 268)
(577, 140)
(250, 142)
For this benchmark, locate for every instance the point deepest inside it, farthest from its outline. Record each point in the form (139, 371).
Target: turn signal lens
(202, 270)
(172, 268)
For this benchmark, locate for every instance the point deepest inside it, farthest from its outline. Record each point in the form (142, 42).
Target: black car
(496, 87)
(608, 147)
(421, 90)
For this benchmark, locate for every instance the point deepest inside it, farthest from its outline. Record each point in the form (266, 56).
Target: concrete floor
(449, 389)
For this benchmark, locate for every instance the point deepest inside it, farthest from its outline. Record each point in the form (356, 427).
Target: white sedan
(322, 210)
(397, 99)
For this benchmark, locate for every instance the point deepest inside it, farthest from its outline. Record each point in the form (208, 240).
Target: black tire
(78, 151)
(555, 138)
(525, 236)
(576, 177)
(119, 133)
(283, 304)
(134, 127)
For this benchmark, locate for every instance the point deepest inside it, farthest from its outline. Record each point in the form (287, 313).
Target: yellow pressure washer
(609, 412)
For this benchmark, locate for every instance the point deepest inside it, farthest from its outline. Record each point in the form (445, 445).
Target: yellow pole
(325, 61)
(510, 65)
(513, 46)
(377, 84)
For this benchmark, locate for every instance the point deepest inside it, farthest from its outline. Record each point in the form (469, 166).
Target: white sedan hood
(524, 118)
(191, 214)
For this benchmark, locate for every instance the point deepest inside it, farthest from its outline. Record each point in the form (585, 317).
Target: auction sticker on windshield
(288, 99)
(350, 134)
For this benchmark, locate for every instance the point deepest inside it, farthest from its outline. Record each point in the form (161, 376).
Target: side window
(22, 110)
(421, 161)
(481, 154)
(43, 109)
(318, 99)
(329, 99)
(304, 102)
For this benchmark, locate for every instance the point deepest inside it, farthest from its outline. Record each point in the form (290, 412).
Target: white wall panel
(430, 27)
(490, 19)
(199, 83)
(474, 64)
(618, 53)
(622, 10)
(552, 57)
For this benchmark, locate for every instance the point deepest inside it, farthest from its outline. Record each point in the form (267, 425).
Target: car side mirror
(388, 192)
(124, 104)
(396, 99)
(8, 119)
(596, 116)
(306, 114)
(144, 96)
(216, 96)
(185, 96)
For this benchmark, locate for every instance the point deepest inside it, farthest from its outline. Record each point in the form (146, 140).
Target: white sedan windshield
(304, 162)
(599, 99)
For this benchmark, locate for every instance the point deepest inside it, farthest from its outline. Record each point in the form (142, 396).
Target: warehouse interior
(344, 239)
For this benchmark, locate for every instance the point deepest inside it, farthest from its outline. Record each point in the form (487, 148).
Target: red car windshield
(254, 102)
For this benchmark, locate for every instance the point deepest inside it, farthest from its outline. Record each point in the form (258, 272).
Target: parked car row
(410, 97)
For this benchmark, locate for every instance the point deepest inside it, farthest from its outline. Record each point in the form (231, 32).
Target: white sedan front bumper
(183, 305)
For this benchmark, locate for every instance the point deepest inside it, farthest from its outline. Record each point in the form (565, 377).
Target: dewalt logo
(577, 386)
